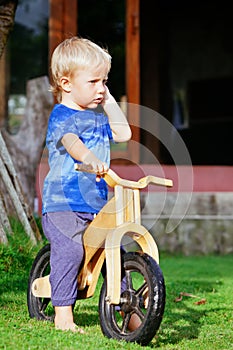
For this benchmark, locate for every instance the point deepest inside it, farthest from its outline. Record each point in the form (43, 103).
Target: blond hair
(75, 54)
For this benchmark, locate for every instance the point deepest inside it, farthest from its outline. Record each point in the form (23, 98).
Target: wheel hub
(130, 301)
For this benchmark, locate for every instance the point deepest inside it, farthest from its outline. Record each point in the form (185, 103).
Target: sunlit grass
(186, 325)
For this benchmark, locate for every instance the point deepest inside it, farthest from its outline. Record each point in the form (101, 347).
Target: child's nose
(101, 88)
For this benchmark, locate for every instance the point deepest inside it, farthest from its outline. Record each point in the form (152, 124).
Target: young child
(76, 133)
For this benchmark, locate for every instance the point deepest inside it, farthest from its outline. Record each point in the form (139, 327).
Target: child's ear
(65, 84)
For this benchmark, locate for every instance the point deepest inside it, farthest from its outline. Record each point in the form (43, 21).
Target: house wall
(195, 216)
(206, 227)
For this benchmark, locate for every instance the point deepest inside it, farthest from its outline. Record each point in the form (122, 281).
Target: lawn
(200, 318)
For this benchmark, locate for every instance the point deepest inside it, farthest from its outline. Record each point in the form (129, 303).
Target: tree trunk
(7, 15)
(25, 148)
(27, 145)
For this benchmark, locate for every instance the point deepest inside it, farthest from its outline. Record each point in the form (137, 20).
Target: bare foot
(69, 327)
(64, 320)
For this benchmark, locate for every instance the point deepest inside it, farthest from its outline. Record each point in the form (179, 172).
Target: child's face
(87, 87)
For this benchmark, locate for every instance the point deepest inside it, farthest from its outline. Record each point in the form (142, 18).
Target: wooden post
(16, 202)
(62, 21)
(3, 216)
(3, 89)
(12, 184)
(133, 74)
(133, 51)
(4, 223)
(3, 237)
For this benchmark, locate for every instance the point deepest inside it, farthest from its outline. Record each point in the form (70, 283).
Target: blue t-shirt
(65, 188)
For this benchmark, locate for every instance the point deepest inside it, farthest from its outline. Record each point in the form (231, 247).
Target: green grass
(185, 326)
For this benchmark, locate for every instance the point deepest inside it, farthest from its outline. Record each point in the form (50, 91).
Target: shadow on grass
(85, 312)
(87, 316)
(13, 283)
(184, 323)
(183, 320)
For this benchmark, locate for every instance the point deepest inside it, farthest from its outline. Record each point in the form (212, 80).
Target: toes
(78, 330)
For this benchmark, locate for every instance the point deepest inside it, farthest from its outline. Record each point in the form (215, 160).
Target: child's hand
(108, 98)
(100, 168)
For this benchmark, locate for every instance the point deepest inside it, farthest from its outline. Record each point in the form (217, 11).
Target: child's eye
(95, 81)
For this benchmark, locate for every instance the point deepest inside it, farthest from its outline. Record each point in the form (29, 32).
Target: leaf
(184, 294)
(200, 302)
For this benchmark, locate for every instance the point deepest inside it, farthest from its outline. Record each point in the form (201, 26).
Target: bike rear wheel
(40, 308)
(144, 295)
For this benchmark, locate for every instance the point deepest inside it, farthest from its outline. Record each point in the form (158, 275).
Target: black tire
(40, 308)
(144, 295)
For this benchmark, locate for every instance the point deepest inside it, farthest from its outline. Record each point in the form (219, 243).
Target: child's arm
(76, 148)
(120, 128)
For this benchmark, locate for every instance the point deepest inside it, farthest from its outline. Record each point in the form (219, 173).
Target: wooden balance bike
(133, 281)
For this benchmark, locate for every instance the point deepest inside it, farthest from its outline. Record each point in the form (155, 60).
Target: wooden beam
(62, 21)
(133, 51)
(70, 17)
(3, 89)
(133, 75)
(13, 186)
(19, 206)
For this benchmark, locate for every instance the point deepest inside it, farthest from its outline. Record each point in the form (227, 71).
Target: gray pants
(64, 231)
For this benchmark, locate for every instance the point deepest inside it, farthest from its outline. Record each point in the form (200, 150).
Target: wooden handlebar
(112, 179)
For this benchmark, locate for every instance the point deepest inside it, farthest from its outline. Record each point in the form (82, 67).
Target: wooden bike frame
(102, 239)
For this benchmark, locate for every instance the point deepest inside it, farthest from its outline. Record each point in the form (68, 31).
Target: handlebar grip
(87, 168)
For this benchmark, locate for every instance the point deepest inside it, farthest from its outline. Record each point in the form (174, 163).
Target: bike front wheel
(143, 294)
